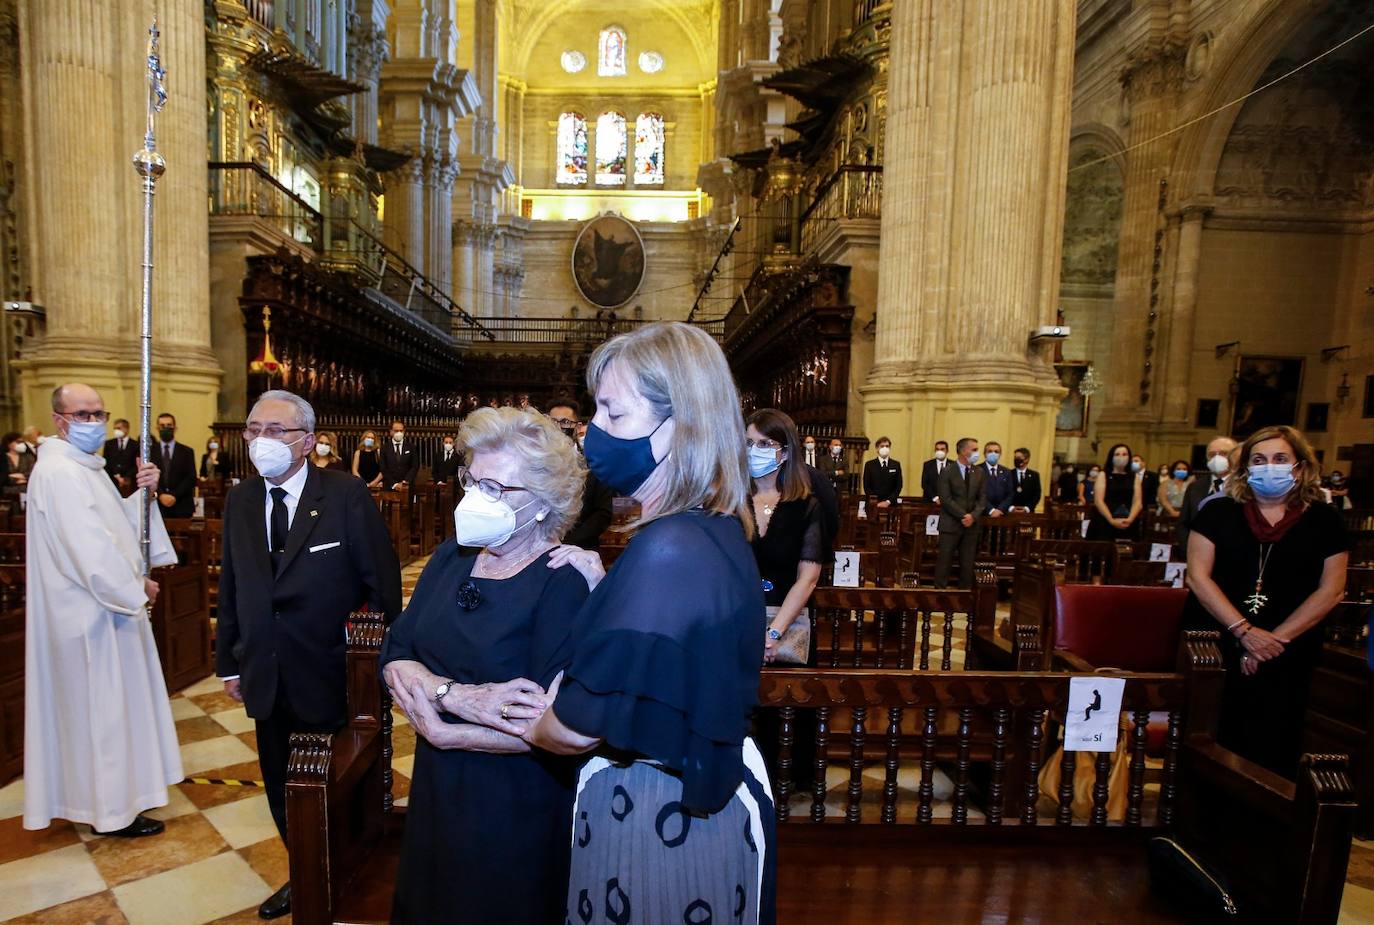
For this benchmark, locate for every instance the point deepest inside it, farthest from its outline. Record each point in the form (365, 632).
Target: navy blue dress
(487, 836)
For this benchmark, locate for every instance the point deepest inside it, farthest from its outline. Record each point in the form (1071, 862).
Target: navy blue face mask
(622, 464)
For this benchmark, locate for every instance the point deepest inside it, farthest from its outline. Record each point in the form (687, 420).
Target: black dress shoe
(276, 905)
(141, 827)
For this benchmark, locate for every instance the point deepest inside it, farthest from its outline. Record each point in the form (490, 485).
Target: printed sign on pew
(846, 570)
(1094, 712)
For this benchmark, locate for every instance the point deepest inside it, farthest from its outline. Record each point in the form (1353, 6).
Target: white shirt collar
(295, 485)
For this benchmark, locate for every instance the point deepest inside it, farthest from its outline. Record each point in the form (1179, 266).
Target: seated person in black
(790, 543)
(1266, 564)
(469, 661)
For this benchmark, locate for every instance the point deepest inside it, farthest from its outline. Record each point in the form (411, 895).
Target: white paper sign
(1173, 573)
(933, 525)
(1094, 713)
(862, 512)
(23, 501)
(200, 509)
(846, 569)
(1160, 552)
(1085, 528)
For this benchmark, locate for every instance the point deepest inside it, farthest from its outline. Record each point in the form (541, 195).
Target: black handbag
(1191, 886)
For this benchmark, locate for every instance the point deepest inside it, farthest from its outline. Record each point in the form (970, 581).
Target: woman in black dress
(674, 815)
(214, 464)
(367, 460)
(487, 829)
(789, 546)
(1116, 498)
(1266, 564)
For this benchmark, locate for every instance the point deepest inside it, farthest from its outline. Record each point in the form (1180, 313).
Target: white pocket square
(324, 546)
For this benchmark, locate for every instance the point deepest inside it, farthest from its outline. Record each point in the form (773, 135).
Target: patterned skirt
(638, 856)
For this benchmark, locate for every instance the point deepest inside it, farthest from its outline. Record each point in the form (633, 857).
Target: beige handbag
(795, 645)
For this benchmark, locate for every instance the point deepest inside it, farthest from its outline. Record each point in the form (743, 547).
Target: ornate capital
(367, 48)
(1155, 69)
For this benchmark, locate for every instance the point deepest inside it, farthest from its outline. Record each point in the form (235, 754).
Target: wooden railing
(393, 276)
(559, 331)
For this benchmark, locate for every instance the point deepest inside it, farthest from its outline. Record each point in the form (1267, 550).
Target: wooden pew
(11, 672)
(891, 627)
(181, 615)
(830, 852)
(396, 514)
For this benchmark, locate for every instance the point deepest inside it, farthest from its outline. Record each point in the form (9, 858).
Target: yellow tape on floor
(223, 782)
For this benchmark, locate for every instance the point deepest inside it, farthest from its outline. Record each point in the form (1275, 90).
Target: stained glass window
(611, 59)
(572, 148)
(648, 148)
(611, 147)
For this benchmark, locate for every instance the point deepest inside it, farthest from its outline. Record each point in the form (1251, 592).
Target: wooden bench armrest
(1064, 660)
(1259, 788)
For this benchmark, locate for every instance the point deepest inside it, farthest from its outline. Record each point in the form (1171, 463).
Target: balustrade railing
(853, 191)
(572, 331)
(261, 12)
(246, 188)
(393, 276)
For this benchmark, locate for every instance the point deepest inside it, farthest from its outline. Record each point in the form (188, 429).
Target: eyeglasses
(87, 417)
(764, 444)
(271, 432)
(490, 488)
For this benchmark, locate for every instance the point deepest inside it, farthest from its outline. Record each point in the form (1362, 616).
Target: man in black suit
(176, 490)
(998, 480)
(1218, 471)
(832, 465)
(448, 462)
(400, 459)
(930, 472)
(963, 499)
(303, 547)
(597, 499)
(1149, 482)
(1025, 490)
(883, 476)
(121, 457)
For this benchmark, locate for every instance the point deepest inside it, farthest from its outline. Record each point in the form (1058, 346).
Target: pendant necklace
(1256, 601)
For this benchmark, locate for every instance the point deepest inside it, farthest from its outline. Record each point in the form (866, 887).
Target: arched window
(610, 149)
(648, 148)
(572, 149)
(610, 60)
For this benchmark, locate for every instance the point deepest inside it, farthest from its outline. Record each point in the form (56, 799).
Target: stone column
(368, 51)
(977, 147)
(1175, 366)
(85, 119)
(462, 267)
(439, 177)
(1152, 80)
(405, 211)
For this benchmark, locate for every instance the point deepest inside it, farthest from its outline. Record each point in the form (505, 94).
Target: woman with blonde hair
(326, 452)
(488, 628)
(673, 820)
(367, 460)
(1266, 564)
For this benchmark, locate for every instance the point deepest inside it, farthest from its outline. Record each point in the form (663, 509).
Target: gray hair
(551, 468)
(305, 415)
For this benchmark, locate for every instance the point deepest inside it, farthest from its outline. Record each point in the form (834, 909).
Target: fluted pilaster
(405, 211)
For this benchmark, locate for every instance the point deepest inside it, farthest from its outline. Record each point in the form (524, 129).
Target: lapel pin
(314, 513)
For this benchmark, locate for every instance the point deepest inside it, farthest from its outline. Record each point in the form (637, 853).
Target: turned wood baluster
(1168, 789)
(925, 640)
(996, 786)
(948, 653)
(894, 737)
(857, 616)
(880, 627)
(786, 716)
(1031, 791)
(835, 638)
(856, 764)
(387, 751)
(1068, 763)
(822, 742)
(1100, 792)
(1135, 794)
(926, 791)
(964, 739)
(904, 639)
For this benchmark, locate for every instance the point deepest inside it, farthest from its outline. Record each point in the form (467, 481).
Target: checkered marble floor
(220, 856)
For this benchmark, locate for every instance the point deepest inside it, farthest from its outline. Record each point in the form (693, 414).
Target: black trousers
(965, 540)
(274, 748)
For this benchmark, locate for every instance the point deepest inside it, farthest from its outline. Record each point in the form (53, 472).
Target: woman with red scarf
(1266, 564)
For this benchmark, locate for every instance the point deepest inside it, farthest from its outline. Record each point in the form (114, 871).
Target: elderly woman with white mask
(487, 835)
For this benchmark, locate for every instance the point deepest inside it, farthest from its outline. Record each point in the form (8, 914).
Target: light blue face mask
(993, 457)
(973, 458)
(86, 436)
(1180, 474)
(762, 461)
(1271, 482)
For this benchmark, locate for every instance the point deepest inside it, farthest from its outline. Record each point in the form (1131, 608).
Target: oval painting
(608, 261)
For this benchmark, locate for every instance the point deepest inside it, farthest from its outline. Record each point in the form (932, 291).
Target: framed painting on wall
(1318, 413)
(1266, 390)
(1072, 420)
(1207, 411)
(1368, 397)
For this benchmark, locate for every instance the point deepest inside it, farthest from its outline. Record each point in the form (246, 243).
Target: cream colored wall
(682, 113)
(667, 292)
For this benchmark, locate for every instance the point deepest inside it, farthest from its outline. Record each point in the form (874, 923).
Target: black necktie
(1216, 485)
(1018, 478)
(281, 525)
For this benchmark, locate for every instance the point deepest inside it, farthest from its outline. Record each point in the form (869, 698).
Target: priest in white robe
(100, 746)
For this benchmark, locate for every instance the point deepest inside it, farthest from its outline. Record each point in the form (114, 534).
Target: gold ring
(504, 708)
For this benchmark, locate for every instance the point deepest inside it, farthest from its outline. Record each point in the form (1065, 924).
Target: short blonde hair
(328, 436)
(1308, 488)
(550, 465)
(683, 374)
